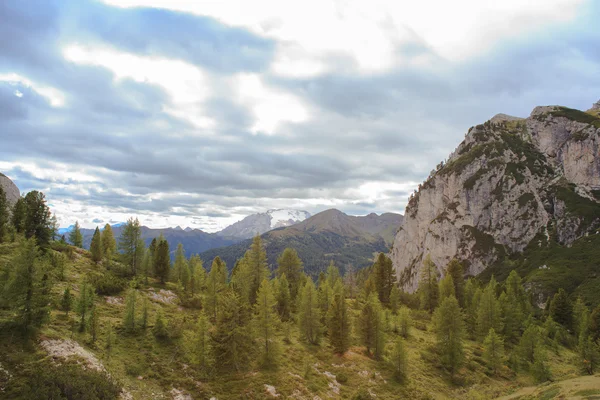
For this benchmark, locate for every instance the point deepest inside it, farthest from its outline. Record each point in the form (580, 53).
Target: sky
(198, 113)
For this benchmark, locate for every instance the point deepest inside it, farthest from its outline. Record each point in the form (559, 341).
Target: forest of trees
(251, 304)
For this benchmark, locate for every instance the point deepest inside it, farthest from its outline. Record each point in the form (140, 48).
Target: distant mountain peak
(263, 222)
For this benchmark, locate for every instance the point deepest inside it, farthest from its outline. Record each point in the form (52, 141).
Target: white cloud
(54, 96)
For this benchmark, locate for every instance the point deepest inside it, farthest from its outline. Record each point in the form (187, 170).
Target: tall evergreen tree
(180, 265)
(493, 350)
(19, 213)
(109, 244)
(456, 270)
(215, 285)
(324, 296)
(231, 339)
(489, 313)
(159, 330)
(428, 285)
(84, 303)
(94, 322)
(198, 278)
(404, 322)
(447, 287)
(96, 246)
(309, 313)
(594, 325)
(4, 214)
(370, 326)
(255, 260)
(512, 316)
(162, 260)
(527, 344)
(37, 218)
(202, 349)
(589, 353)
(290, 264)
(382, 274)
(75, 236)
(66, 302)
(399, 361)
(450, 331)
(395, 299)
(581, 317)
(27, 289)
(131, 245)
(339, 321)
(266, 322)
(561, 310)
(129, 316)
(284, 301)
(332, 275)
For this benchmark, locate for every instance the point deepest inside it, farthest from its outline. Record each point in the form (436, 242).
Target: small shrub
(342, 377)
(362, 394)
(107, 284)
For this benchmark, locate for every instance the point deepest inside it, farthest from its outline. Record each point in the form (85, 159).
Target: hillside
(512, 186)
(328, 235)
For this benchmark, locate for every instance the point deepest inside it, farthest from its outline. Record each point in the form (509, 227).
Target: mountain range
(327, 236)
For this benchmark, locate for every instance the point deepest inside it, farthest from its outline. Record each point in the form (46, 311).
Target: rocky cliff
(11, 190)
(512, 182)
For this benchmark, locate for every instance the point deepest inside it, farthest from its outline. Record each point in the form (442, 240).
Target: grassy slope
(163, 366)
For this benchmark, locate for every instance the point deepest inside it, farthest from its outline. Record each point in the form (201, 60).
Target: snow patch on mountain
(282, 217)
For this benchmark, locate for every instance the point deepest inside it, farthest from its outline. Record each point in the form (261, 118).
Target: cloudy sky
(197, 113)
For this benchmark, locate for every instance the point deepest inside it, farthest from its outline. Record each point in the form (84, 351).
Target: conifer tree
(160, 327)
(180, 265)
(428, 286)
(512, 317)
(581, 316)
(589, 353)
(266, 322)
(198, 278)
(488, 313)
(202, 349)
(404, 322)
(447, 287)
(84, 303)
(324, 296)
(561, 310)
(66, 302)
(19, 212)
(450, 331)
(395, 299)
(290, 264)
(594, 324)
(37, 218)
(255, 260)
(4, 214)
(231, 339)
(215, 285)
(528, 343)
(493, 350)
(75, 236)
(332, 275)
(284, 302)
(27, 289)
(109, 244)
(129, 317)
(382, 275)
(456, 271)
(131, 245)
(147, 265)
(338, 320)
(539, 369)
(309, 314)
(110, 340)
(96, 246)
(399, 361)
(93, 322)
(162, 260)
(368, 322)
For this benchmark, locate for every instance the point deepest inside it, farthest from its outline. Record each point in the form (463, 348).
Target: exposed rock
(511, 181)
(596, 105)
(271, 391)
(180, 395)
(69, 349)
(10, 189)
(163, 296)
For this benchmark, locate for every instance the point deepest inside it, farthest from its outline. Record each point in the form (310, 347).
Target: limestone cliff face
(510, 183)
(10, 189)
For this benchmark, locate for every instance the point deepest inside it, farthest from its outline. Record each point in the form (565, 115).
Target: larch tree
(202, 349)
(66, 302)
(96, 246)
(162, 260)
(309, 313)
(255, 261)
(493, 350)
(198, 277)
(131, 245)
(94, 323)
(266, 322)
(109, 244)
(456, 270)
(399, 361)
(324, 296)
(332, 275)
(75, 236)
(395, 299)
(581, 317)
(489, 314)
(18, 215)
(338, 320)
(290, 264)
(215, 285)
(447, 287)
(84, 303)
(404, 322)
(594, 325)
(370, 326)
(450, 332)
(428, 285)
(561, 310)
(382, 275)
(180, 265)
(283, 296)
(129, 316)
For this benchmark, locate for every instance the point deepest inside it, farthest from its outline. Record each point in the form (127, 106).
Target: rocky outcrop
(510, 183)
(10, 189)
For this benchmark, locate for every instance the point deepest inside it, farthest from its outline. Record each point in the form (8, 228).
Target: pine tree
(395, 299)
(399, 361)
(162, 260)
(309, 314)
(198, 278)
(493, 350)
(109, 244)
(84, 303)
(589, 353)
(4, 214)
(37, 218)
(382, 274)
(324, 297)
(75, 236)
(512, 317)
(488, 313)
(19, 213)
(528, 343)
(428, 286)
(66, 302)
(266, 322)
(231, 339)
(539, 369)
(456, 270)
(290, 264)
(147, 265)
(93, 323)
(27, 288)
(561, 310)
(54, 226)
(215, 285)
(447, 287)
(160, 330)
(110, 340)
(131, 245)
(368, 322)
(255, 260)
(581, 316)
(129, 317)
(404, 322)
(332, 275)
(338, 320)
(284, 302)
(180, 265)
(96, 246)
(450, 331)
(202, 349)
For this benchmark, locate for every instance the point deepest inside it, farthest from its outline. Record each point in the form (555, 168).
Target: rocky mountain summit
(257, 224)
(512, 183)
(11, 190)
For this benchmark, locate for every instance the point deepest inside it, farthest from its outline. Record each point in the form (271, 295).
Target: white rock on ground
(67, 349)
(271, 390)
